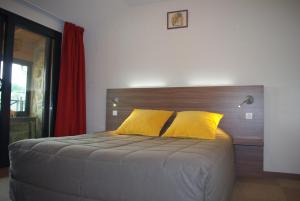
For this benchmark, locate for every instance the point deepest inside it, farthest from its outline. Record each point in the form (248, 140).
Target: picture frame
(177, 19)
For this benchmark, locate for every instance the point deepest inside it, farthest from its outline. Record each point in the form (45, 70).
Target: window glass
(18, 87)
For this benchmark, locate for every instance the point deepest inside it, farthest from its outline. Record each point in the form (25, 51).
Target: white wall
(228, 42)
(26, 10)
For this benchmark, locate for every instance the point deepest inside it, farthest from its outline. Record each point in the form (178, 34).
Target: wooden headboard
(221, 99)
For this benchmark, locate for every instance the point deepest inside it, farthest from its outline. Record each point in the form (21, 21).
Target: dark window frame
(11, 20)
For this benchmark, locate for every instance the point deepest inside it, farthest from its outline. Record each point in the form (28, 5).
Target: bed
(108, 167)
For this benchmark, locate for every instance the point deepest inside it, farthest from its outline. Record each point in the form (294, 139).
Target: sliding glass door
(28, 84)
(29, 75)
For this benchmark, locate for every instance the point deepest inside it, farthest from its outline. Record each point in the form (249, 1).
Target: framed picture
(177, 19)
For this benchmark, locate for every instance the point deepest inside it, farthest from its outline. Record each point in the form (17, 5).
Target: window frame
(10, 20)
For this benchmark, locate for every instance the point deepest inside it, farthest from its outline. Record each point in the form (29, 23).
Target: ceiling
(143, 2)
(84, 12)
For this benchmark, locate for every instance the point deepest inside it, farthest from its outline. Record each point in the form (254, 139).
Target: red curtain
(71, 105)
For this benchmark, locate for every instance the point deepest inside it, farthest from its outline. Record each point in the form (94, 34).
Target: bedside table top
(255, 141)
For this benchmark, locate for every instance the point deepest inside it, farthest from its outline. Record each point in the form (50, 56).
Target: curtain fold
(71, 102)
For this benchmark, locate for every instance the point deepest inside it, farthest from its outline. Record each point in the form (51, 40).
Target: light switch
(249, 115)
(115, 113)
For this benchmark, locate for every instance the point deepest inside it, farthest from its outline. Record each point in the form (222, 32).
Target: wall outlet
(115, 113)
(249, 115)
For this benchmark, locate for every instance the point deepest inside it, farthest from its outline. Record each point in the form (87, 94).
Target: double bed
(108, 167)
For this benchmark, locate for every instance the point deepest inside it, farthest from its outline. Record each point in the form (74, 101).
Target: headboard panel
(221, 99)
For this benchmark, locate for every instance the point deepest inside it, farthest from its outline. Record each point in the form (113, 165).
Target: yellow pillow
(144, 122)
(194, 124)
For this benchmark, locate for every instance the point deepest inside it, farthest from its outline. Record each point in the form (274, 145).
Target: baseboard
(281, 175)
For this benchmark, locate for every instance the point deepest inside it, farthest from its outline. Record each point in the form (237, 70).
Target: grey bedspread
(107, 167)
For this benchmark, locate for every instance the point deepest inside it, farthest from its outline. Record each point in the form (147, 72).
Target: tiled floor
(246, 189)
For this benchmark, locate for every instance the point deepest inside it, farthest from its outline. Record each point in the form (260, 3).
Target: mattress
(108, 167)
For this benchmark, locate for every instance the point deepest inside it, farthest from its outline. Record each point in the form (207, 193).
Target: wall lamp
(248, 100)
(115, 101)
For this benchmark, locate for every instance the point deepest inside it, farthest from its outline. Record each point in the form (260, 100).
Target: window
(20, 89)
(1, 77)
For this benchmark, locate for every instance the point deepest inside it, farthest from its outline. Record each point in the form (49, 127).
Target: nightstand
(248, 154)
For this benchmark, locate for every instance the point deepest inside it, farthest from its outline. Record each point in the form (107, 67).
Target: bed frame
(247, 134)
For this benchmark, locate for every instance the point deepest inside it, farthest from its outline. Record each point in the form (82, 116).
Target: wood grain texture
(224, 99)
(221, 99)
(249, 141)
(248, 160)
